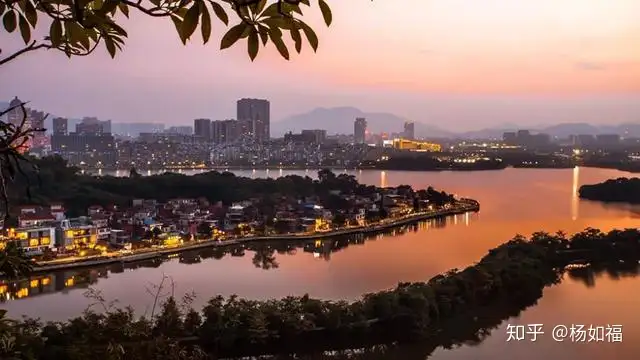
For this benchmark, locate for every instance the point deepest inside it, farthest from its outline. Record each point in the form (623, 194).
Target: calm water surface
(512, 201)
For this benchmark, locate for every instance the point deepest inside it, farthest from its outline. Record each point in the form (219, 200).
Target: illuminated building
(405, 144)
(32, 239)
(76, 234)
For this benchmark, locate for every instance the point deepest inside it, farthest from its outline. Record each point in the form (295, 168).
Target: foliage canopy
(78, 27)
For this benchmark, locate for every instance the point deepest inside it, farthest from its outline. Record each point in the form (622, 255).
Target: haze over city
(458, 64)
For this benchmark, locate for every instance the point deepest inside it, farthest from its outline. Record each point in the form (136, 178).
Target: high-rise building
(93, 126)
(257, 112)
(224, 131)
(409, 130)
(39, 137)
(16, 115)
(60, 126)
(360, 131)
(202, 128)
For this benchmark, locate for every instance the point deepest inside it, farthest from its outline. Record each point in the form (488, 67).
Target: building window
(33, 242)
(45, 241)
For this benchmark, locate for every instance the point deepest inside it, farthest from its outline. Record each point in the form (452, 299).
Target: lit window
(34, 283)
(46, 281)
(33, 242)
(45, 241)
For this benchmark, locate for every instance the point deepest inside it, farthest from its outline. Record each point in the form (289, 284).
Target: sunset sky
(457, 64)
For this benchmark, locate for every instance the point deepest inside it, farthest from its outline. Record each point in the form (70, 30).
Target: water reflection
(575, 199)
(263, 257)
(473, 332)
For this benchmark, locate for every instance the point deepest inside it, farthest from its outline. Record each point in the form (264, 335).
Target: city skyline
(532, 63)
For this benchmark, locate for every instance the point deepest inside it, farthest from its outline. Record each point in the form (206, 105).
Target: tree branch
(31, 47)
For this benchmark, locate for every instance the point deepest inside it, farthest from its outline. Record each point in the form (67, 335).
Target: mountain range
(339, 120)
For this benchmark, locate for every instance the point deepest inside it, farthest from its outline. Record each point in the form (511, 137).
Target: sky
(457, 64)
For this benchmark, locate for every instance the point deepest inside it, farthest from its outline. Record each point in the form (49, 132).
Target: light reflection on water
(512, 201)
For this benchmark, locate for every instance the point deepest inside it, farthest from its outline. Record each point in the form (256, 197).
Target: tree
(14, 139)
(13, 262)
(77, 27)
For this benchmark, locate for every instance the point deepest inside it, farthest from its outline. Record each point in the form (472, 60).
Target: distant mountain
(339, 120)
(560, 131)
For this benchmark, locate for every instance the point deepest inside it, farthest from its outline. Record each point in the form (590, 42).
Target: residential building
(409, 130)
(76, 233)
(33, 239)
(360, 131)
(60, 126)
(202, 128)
(258, 113)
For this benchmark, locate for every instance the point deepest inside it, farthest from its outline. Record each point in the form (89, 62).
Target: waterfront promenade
(461, 207)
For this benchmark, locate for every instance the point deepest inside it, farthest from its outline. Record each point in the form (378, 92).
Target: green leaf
(124, 8)
(279, 22)
(9, 21)
(30, 13)
(282, 48)
(263, 31)
(311, 35)
(189, 23)
(111, 47)
(271, 11)
(205, 29)
(77, 34)
(220, 13)
(326, 12)
(253, 44)
(25, 31)
(55, 33)
(260, 6)
(109, 6)
(178, 23)
(297, 39)
(233, 35)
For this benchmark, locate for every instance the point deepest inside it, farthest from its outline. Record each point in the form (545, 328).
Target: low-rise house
(76, 233)
(120, 238)
(34, 215)
(94, 210)
(34, 240)
(35, 219)
(57, 210)
(101, 222)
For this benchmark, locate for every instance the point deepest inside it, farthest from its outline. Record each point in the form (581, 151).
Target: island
(626, 190)
(65, 219)
(453, 308)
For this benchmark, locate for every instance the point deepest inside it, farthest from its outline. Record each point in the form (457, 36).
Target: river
(513, 201)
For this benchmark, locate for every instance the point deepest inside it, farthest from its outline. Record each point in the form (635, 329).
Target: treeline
(614, 190)
(443, 310)
(55, 181)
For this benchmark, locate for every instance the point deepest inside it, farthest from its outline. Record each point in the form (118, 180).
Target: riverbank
(458, 305)
(463, 206)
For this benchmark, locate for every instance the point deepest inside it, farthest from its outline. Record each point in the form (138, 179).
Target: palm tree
(13, 262)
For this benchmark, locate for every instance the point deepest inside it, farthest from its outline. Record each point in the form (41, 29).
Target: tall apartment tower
(60, 126)
(257, 113)
(409, 130)
(16, 115)
(202, 128)
(360, 131)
